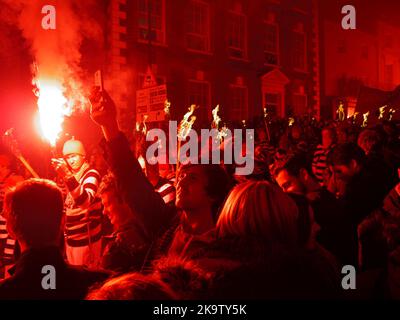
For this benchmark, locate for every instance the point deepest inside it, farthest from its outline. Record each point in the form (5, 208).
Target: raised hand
(61, 168)
(103, 110)
(104, 113)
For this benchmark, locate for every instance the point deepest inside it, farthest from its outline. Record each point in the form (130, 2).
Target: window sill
(246, 60)
(156, 44)
(304, 71)
(273, 65)
(205, 53)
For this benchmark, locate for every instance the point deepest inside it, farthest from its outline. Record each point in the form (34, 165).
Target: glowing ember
(53, 108)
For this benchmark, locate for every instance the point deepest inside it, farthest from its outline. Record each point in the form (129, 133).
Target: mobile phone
(98, 79)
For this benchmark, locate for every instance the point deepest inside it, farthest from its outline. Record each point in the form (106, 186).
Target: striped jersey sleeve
(319, 164)
(84, 191)
(84, 220)
(167, 193)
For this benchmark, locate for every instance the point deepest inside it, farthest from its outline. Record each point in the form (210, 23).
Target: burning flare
(53, 107)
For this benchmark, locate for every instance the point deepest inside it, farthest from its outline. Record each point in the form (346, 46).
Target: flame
(144, 130)
(186, 125)
(382, 112)
(222, 133)
(53, 107)
(216, 118)
(391, 112)
(167, 107)
(365, 117)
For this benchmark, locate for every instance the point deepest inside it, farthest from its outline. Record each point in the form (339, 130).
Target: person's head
(184, 276)
(341, 134)
(346, 160)
(296, 132)
(369, 140)
(390, 129)
(202, 186)
(295, 176)
(328, 136)
(34, 210)
(74, 153)
(259, 210)
(133, 286)
(115, 208)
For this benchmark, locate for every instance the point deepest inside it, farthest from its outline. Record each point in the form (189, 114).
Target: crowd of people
(323, 195)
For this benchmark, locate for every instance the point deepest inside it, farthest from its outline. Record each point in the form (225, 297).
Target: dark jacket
(126, 250)
(336, 234)
(373, 243)
(158, 220)
(72, 283)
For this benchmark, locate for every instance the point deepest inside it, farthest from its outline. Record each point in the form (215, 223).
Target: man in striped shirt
(83, 225)
(319, 166)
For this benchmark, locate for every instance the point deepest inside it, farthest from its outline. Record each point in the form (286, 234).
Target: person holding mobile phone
(83, 225)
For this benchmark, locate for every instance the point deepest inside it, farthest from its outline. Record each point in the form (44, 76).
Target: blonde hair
(261, 210)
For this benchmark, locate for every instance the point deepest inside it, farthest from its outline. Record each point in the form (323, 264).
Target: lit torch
(186, 124)
(365, 122)
(167, 108)
(184, 129)
(382, 112)
(216, 118)
(265, 118)
(391, 112)
(340, 111)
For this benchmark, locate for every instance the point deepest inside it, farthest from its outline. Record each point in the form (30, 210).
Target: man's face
(343, 172)
(327, 138)
(75, 161)
(289, 183)
(116, 211)
(191, 189)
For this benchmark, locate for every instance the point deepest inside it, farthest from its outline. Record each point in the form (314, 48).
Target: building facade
(350, 59)
(242, 55)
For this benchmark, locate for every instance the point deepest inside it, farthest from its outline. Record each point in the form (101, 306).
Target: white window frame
(158, 31)
(230, 47)
(207, 24)
(203, 110)
(244, 110)
(277, 53)
(304, 68)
